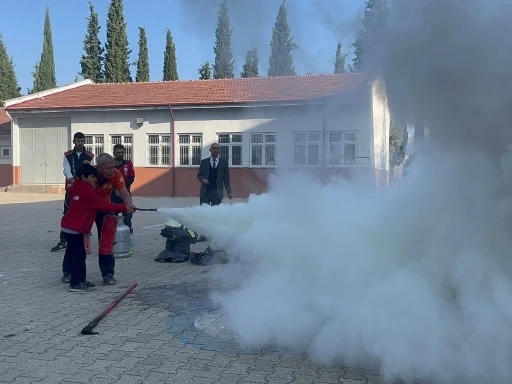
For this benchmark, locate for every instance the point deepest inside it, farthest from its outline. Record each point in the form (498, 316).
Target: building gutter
(164, 107)
(173, 152)
(64, 110)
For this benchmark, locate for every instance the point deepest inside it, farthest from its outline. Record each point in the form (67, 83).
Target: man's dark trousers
(211, 198)
(106, 262)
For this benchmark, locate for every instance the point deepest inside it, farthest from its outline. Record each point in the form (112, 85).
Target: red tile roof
(5, 123)
(197, 92)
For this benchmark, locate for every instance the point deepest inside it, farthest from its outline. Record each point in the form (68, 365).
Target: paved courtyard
(163, 332)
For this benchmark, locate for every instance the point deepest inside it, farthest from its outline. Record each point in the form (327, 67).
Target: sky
(316, 26)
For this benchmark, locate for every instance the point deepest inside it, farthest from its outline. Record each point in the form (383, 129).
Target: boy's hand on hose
(130, 208)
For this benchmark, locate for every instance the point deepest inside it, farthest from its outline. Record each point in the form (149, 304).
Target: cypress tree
(224, 67)
(9, 88)
(339, 63)
(281, 60)
(117, 57)
(143, 60)
(368, 44)
(251, 66)
(44, 74)
(170, 62)
(92, 59)
(205, 72)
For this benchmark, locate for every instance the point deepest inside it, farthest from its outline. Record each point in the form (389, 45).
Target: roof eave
(276, 103)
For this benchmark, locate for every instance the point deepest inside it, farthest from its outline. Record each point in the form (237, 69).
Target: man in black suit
(214, 176)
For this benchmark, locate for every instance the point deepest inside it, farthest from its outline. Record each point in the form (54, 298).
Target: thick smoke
(416, 277)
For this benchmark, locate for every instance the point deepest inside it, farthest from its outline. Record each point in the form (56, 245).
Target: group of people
(95, 190)
(92, 192)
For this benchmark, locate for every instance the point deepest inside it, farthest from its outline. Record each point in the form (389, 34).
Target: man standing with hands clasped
(214, 176)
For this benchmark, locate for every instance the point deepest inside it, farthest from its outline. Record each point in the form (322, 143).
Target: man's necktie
(213, 166)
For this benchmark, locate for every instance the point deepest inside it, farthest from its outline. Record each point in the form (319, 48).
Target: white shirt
(67, 167)
(216, 162)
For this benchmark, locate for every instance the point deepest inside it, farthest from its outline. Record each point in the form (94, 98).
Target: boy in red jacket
(78, 221)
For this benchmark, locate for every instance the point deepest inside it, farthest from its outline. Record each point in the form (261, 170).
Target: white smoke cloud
(416, 277)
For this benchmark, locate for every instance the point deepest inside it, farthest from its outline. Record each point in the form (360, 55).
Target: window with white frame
(190, 149)
(158, 150)
(5, 152)
(231, 148)
(126, 141)
(342, 147)
(306, 150)
(94, 144)
(263, 149)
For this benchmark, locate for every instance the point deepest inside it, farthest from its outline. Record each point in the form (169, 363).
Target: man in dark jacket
(214, 176)
(128, 172)
(73, 159)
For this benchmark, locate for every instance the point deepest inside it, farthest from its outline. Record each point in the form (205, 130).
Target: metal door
(43, 142)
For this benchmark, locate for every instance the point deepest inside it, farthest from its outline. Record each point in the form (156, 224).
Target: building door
(43, 142)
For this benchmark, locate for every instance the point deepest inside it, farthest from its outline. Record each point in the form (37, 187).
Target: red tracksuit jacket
(84, 204)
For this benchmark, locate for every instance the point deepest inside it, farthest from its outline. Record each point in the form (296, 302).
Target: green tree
(117, 56)
(368, 44)
(170, 62)
(9, 88)
(205, 72)
(252, 63)
(396, 146)
(224, 67)
(44, 74)
(281, 60)
(339, 63)
(92, 59)
(143, 60)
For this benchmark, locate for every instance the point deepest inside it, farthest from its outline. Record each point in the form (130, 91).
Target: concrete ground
(158, 334)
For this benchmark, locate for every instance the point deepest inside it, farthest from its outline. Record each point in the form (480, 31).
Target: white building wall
(381, 125)
(369, 119)
(284, 122)
(114, 123)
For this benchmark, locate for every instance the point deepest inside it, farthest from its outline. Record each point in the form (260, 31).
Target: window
(342, 147)
(94, 144)
(231, 148)
(159, 150)
(190, 149)
(306, 149)
(5, 152)
(127, 141)
(263, 149)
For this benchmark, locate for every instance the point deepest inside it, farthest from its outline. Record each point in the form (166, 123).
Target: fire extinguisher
(108, 234)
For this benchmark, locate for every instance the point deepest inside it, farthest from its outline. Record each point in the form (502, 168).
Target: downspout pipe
(324, 142)
(173, 151)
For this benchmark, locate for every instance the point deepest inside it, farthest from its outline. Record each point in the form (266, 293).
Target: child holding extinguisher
(78, 221)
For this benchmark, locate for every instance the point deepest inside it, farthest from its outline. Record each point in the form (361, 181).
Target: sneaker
(66, 278)
(109, 280)
(89, 284)
(79, 288)
(58, 247)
